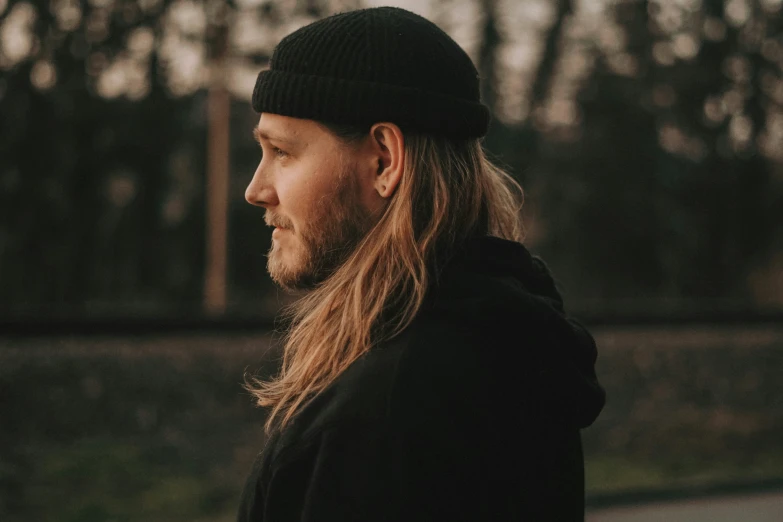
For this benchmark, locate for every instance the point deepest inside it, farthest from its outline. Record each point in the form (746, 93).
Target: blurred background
(648, 136)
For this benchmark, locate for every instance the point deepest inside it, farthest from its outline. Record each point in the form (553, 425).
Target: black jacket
(473, 413)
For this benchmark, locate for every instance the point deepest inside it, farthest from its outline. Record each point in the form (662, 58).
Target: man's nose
(260, 191)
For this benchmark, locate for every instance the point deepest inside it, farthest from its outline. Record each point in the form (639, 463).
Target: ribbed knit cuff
(359, 102)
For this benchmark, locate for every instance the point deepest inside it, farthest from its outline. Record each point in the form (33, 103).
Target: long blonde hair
(449, 191)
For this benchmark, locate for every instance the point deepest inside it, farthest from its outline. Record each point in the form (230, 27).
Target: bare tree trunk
(542, 78)
(487, 60)
(219, 104)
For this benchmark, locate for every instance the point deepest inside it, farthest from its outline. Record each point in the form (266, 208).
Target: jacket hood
(511, 294)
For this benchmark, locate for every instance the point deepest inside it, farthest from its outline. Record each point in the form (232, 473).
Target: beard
(331, 234)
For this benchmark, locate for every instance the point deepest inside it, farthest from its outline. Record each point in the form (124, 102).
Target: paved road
(762, 507)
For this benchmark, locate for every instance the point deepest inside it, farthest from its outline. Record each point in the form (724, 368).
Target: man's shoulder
(418, 361)
(469, 353)
(441, 367)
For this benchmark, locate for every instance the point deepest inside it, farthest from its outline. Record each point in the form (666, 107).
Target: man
(430, 372)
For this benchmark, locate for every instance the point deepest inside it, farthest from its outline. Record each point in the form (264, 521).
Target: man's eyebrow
(259, 134)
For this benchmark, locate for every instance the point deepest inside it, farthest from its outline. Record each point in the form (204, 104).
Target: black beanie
(372, 65)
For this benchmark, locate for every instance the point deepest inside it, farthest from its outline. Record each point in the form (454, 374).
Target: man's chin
(290, 279)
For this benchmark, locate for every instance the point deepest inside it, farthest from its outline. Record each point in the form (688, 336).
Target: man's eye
(279, 153)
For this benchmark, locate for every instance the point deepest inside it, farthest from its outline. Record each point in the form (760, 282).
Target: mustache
(273, 220)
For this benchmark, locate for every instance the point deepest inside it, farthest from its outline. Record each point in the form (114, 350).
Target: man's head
(374, 71)
(374, 174)
(322, 192)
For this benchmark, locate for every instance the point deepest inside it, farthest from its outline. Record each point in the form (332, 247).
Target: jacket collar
(500, 257)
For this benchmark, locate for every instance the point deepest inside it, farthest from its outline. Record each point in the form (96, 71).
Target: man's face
(316, 193)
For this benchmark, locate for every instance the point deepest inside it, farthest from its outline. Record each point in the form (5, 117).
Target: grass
(619, 474)
(159, 429)
(105, 479)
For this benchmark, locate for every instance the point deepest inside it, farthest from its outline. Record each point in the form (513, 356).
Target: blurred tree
(87, 130)
(648, 136)
(101, 146)
(658, 181)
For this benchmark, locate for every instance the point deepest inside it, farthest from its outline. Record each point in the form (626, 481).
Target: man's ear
(388, 146)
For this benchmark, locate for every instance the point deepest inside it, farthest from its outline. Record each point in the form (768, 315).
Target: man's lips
(275, 225)
(278, 230)
(271, 222)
